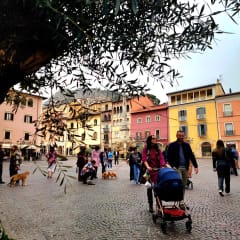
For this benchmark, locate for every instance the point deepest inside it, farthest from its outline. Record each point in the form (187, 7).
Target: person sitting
(88, 171)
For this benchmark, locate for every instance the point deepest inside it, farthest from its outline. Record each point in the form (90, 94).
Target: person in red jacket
(153, 159)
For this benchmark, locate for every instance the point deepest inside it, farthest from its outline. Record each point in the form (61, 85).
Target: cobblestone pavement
(112, 209)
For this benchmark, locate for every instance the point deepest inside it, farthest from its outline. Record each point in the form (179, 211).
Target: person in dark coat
(2, 154)
(179, 154)
(81, 161)
(222, 158)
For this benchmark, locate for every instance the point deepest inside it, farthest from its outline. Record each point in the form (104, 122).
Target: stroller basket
(169, 185)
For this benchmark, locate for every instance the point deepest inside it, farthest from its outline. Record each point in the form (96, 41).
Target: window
(95, 122)
(72, 125)
(157, 118)
(201, 113)
(209, 92)
(182, 115)
(7, 135)
(147, 133)
(227, 110)
(139, 120)
(128, 108)
(28, 119)
(106, 138)
(138, 136)
(202, 130)
(184, 129)
(148, 119)
(157, 134)
(30, 102)
(106, 107)
(8, 116)
(178, 99)
(94, 136)
(26, 136)
(229, 129)
(23, 102)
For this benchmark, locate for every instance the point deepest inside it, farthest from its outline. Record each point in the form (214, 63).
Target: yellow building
(194, 111)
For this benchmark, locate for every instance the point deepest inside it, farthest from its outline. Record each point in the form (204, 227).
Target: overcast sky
(222, 62)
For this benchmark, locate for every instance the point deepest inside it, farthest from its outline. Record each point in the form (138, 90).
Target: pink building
(17, 128)
(147, 121)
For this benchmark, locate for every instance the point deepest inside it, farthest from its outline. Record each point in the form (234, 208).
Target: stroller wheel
(154, 217)
(164, 227)
(189, 226)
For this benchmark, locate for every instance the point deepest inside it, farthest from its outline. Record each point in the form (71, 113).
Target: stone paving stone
(112, 209)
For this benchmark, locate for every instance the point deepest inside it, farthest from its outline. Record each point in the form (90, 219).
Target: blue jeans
(224, 175)
(136, 173)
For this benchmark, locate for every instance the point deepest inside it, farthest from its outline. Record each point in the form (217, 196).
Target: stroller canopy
(169, 185)
(166, 174)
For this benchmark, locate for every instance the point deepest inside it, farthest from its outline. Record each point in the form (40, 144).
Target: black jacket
(173, 155)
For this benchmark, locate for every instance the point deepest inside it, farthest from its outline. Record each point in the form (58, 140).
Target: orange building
(228, 115)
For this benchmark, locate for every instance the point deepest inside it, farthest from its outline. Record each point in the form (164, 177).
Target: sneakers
(221, 193)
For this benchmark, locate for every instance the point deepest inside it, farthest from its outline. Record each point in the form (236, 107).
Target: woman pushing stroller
(153, 160)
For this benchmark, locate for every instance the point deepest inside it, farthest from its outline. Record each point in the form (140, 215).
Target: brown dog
(105, 175)
(19, 176)
(112, 174)
(109, 174)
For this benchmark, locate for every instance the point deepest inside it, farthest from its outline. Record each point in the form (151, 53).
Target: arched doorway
(206, 149)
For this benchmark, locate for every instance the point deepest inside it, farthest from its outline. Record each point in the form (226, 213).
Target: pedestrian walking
(81, 161)
(221, 157)
(153, 159)
(52, 161)
(116, 157)
(110, 158)
(15, 161)
(2, 154)
(136, 158)
(131, 173)
(95, 155)
(103, 159)
(179, 155)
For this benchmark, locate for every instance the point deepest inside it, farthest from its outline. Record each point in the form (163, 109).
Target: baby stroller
(169, 188)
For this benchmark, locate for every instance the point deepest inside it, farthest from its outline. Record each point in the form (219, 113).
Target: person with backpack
(153, 160)
(136, 158)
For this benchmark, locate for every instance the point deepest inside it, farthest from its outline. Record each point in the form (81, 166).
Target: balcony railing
(227, 113)
(182, 118)
(200, 116)
(106, 130)
(229, 133)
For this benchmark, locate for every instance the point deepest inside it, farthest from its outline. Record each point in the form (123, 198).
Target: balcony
(201, 116)
(106, 130)
(182, 118)
(229, 133)
(227, 113)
